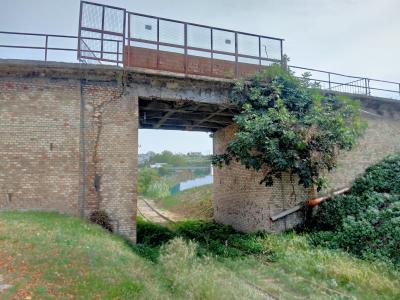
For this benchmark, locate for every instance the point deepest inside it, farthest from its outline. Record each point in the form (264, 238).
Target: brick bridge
(69, 131)
(69, 143)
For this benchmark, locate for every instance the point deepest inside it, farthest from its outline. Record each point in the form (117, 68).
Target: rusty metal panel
(101, 35)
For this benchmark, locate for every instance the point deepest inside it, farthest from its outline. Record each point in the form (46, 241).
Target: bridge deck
(167, 100)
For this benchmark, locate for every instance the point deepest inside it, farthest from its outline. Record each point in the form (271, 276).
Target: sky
(355, 37)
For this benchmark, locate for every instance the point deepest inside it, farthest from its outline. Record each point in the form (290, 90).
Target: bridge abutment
(111, 158)
(241, 201)
(68, 144)
(381, 138)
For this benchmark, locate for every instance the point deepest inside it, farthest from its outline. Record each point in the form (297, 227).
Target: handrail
(339, 74)
(347, 83)
(37, 34)
(366, 85)
(56, 36)
(45, 45)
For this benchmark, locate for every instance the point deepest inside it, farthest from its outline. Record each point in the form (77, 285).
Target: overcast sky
(356, 37)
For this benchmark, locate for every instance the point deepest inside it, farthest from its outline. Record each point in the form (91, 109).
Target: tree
(146, 177)
(169, 158)
(287, 125)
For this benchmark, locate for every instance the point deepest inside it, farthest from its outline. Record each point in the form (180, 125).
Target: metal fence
(342, 83)
(197, 49)
(53, 47)
(22, 45)
(111, 34)
(101, 34)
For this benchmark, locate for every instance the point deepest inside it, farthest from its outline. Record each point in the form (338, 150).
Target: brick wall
(43, 141)
(381, 138)
(39, 144)
(240, 201)
(71, 146)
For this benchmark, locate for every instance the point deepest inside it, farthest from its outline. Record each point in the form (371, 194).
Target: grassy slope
(193, 203)
(47, 255)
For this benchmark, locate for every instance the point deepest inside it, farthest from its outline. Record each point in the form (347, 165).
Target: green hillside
(51, 256)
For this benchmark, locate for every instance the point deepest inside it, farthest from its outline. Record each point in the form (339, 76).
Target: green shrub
(383, 177)
(146, 177)
(211, 237)
(332, 213)
(290, 127)
(366, 221)
(151, 234)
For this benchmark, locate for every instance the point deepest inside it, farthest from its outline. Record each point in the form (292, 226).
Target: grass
(51, 256)
(194, 203)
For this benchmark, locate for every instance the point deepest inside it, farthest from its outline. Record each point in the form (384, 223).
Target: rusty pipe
(319, 200)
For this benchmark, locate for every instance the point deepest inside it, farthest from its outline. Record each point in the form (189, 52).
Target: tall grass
(50, 256)
(281, 264)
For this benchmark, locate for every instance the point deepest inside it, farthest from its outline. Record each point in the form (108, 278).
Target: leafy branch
(287, 124)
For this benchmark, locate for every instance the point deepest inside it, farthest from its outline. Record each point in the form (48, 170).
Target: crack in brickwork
(40, 147)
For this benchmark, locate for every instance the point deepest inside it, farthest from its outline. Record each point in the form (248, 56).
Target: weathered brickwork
(381, 138)
(176, 62)
(39, 138)
(53, 160)
(69, 142)
(240, 201)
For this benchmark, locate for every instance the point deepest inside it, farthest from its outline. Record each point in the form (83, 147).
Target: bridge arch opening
(175, 175)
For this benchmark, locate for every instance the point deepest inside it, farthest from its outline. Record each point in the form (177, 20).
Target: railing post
(78, 54)
(259, 52)
(212, 52)
(117, 53)
(185, 49)
(158, 43)
(45, 47)
(329, 80)
(366, 86)
(102, 33)
(123, 39)
(128, 59)
(129, 42)
(236, 56)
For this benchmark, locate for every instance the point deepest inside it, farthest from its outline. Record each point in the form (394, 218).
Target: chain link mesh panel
(101, 33)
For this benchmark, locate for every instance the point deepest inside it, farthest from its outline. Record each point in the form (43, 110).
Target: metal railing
(102, 30)
(342, 83)
(53, 47)
(51, 44)
(171, 45)
(216, 49)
